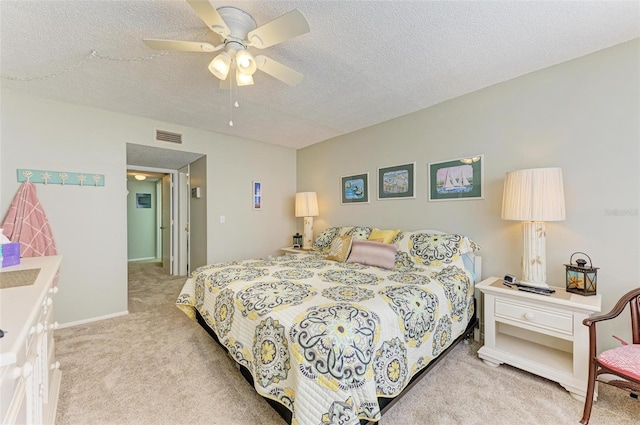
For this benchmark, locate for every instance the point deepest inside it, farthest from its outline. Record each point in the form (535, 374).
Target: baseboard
(93, 319)
(131, 260)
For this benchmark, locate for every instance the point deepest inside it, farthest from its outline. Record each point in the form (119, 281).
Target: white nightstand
(542, 334)
(292, 250)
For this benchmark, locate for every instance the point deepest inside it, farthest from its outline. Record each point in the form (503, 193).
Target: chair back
(634, 304)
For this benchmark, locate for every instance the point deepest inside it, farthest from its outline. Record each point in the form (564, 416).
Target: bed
(336, 334)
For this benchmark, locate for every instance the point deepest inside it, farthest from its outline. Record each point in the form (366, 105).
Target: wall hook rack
(60, 177)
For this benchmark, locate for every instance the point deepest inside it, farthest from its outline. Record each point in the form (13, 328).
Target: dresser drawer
(543, 318)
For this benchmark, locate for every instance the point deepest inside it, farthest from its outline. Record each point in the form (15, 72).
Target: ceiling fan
(239, 32)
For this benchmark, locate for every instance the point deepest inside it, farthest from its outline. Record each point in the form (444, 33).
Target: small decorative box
(9, 254)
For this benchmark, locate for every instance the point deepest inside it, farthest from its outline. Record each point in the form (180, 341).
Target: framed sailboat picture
(457, 179)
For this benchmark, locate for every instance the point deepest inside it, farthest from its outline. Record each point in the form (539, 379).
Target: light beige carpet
(155, 366)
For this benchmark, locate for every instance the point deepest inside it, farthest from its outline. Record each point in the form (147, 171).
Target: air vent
(167, 136)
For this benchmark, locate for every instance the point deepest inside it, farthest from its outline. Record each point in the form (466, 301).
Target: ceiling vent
(167, 136)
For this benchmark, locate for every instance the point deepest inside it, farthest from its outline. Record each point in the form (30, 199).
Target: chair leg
(588, 400)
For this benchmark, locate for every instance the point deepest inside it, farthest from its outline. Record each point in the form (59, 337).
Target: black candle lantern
(297, 240)
(580, 278)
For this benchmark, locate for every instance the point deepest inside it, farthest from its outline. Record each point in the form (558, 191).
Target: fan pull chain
(236, 104)
(230, 97)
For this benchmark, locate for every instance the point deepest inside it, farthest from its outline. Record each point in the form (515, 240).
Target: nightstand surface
(542, 334)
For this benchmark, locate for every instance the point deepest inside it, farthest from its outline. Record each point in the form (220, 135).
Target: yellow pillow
(340, 248)
(386, 235)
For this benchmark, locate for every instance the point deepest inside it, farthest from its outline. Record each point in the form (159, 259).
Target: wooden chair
(623, 362)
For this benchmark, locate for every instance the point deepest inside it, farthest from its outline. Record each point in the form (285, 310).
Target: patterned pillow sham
(324, 239)
(436, 249)
(359, 232)
(323, 242)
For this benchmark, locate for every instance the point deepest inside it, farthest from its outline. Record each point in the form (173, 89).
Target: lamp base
(307, 241)
(534, 258)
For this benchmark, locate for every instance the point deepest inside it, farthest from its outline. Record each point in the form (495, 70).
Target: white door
(167, 223)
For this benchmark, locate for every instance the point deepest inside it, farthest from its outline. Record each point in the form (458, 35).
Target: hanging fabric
(27, 223)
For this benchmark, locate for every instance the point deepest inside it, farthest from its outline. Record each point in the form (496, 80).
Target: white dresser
(29, 373)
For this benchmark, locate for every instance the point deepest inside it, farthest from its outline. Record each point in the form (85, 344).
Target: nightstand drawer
(543, 318)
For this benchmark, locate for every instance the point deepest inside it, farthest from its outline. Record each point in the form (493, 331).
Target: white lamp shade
(306, 204)
(243, 79)
(535, 194)
(220, 65)
(246, 62)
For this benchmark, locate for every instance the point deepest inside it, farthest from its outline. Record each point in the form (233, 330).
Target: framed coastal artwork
(355, 189)
(257, 195)
(397, 182)
(457, 179)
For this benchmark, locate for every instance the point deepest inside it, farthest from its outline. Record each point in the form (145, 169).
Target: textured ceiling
(363, 62)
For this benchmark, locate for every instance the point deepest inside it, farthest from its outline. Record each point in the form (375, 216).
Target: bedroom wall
(89, 223)
(582, 116)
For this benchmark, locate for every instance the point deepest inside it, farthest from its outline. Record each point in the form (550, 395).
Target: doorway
(175, 204)
(150, 216)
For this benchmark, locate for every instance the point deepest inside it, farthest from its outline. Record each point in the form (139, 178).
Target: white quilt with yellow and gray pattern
(326, 339)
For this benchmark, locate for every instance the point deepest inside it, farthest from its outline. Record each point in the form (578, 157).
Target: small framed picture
(143, 200)
(457, 179)
(257, 195)
(355, 189)
(397, 182)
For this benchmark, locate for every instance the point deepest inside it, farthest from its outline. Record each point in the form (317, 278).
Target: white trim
(94, 319)
(142, 259)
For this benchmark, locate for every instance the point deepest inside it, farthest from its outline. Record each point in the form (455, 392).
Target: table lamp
(307, 207)
(534, 196)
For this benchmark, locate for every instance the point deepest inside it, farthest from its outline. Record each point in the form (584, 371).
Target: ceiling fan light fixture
(246, 62)
(220, 65)
(243, 79)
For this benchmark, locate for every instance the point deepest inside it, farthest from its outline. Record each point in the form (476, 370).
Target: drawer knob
(25, 371)
(529, 316)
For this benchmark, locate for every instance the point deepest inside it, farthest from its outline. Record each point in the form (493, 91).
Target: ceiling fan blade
(280, 29)
(183, 46)
(278, 70)
(210, 16)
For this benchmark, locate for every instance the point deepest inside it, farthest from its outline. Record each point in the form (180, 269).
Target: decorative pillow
(373, 254)
(386, 235)
(435, 249)
(324, 239)
(360, 232)
(340, 248)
